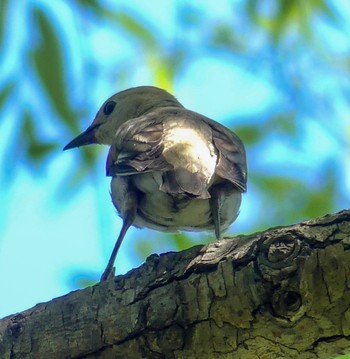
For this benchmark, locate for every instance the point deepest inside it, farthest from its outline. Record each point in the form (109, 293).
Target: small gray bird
(172, 169)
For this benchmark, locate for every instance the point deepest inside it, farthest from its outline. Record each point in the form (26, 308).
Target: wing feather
(232, 163)
(138, 148)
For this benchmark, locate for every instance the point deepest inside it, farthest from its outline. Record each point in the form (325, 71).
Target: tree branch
(282, 293)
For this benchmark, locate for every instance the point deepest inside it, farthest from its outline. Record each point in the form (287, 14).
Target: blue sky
(46, 238)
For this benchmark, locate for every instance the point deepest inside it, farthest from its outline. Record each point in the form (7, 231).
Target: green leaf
(135, 28)
(283, 122)
(130, 23)
(49, 64)
(289, 15)
(251, 10)
(6, 92)
(181, 240)
(95, 6)
(3, 21)
(250, 135)
(225, 36)
(280, 187)
(321, 199)
(38, 150)
(327, 11)
(163, 72)
(34, 146)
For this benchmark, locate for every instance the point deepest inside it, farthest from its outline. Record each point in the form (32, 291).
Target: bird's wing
(137, 148)
(232, 163)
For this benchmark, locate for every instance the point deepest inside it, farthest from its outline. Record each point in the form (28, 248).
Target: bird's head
(119, 108)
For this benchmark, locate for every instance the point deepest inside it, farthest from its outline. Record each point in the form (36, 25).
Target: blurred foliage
(287, 16)
(276, 39)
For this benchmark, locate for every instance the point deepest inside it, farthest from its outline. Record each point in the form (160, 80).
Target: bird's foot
(108, 274)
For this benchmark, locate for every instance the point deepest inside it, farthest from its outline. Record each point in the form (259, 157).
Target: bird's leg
(214, 202)
(127, 222)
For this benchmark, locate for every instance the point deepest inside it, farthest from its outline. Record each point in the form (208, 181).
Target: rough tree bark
(282, 293)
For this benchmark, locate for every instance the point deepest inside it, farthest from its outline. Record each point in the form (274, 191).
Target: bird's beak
(86, 138)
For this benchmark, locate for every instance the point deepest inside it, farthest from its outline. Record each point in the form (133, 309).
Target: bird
(172, 169)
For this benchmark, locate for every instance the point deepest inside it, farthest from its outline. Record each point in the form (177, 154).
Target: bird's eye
(109, 107)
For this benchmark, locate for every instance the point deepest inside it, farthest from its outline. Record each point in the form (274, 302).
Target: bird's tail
(182, 181)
